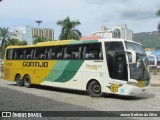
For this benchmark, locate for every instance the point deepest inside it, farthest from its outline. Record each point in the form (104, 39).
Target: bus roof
(66, 42)
(55, 43)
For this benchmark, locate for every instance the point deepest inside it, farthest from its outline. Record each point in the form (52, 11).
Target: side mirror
(131, 56)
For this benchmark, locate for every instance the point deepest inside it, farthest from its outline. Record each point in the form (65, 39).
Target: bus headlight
(133, 83)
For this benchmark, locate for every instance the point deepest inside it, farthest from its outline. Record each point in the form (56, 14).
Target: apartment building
(120, 31)
(43, 33)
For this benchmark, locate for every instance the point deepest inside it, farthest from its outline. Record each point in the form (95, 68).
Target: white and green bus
(98, 66)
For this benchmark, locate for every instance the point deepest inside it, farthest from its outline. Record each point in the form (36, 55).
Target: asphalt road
(12, 100)
(42, 98)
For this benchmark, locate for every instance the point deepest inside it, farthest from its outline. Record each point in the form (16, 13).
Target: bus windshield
(138, 70)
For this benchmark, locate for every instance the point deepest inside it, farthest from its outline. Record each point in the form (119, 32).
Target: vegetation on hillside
(148, 40)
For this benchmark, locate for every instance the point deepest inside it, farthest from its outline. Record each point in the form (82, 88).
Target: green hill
(148, 39)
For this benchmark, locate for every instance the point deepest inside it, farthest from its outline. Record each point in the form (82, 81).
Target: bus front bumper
(135, 90)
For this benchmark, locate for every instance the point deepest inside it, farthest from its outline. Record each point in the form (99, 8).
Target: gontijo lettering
(35, 64)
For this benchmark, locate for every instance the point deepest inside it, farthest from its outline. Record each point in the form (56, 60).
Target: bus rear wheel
(94, 89)
(19, 80)
(27, 81)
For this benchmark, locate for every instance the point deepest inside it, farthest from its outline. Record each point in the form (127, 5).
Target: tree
(68, 30)
(13, 41)
(23, 42)
(4, 39)
(158, 14)
(39, 39)
(16, 42)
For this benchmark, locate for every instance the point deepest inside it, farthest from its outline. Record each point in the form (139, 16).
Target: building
(123, 32)
(103, 33)
(27, 33)
(43, 33)
(120, 31)
(23, 34)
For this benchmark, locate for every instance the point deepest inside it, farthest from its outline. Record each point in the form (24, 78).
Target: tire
(94, 89)
(19, 80)
(27, 81)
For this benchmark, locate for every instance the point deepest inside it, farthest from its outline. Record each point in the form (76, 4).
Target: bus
(115, 66)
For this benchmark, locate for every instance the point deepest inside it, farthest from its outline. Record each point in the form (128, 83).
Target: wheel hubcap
(18, 80)
(26, 81)
(96, 89)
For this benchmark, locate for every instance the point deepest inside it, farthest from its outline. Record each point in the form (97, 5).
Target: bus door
(116, 63)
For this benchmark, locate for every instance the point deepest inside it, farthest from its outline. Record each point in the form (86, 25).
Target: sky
(139, 15)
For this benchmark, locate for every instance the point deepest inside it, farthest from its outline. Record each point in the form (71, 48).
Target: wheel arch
(26, 75)
(17, 75)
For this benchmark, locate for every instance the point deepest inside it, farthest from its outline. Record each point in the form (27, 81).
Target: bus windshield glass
(135, 47)
(138, 70)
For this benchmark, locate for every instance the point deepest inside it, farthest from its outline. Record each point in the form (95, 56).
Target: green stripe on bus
(90, 41)
(64, 70)
(84, 42)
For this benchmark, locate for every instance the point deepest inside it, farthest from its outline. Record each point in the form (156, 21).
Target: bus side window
(29, 54)
(72, 52)
(76, 52)
(41, 53)
(9, 54)
(44, 54)
(59, 55)
(92, 51)
(67, 53)
(56, 52)
(29, 57)
(14, 54)
(20, 55)
(52, 54)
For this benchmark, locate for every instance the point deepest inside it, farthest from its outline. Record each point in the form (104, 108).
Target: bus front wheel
(27, 81)
(19, 80)
(94, 89)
